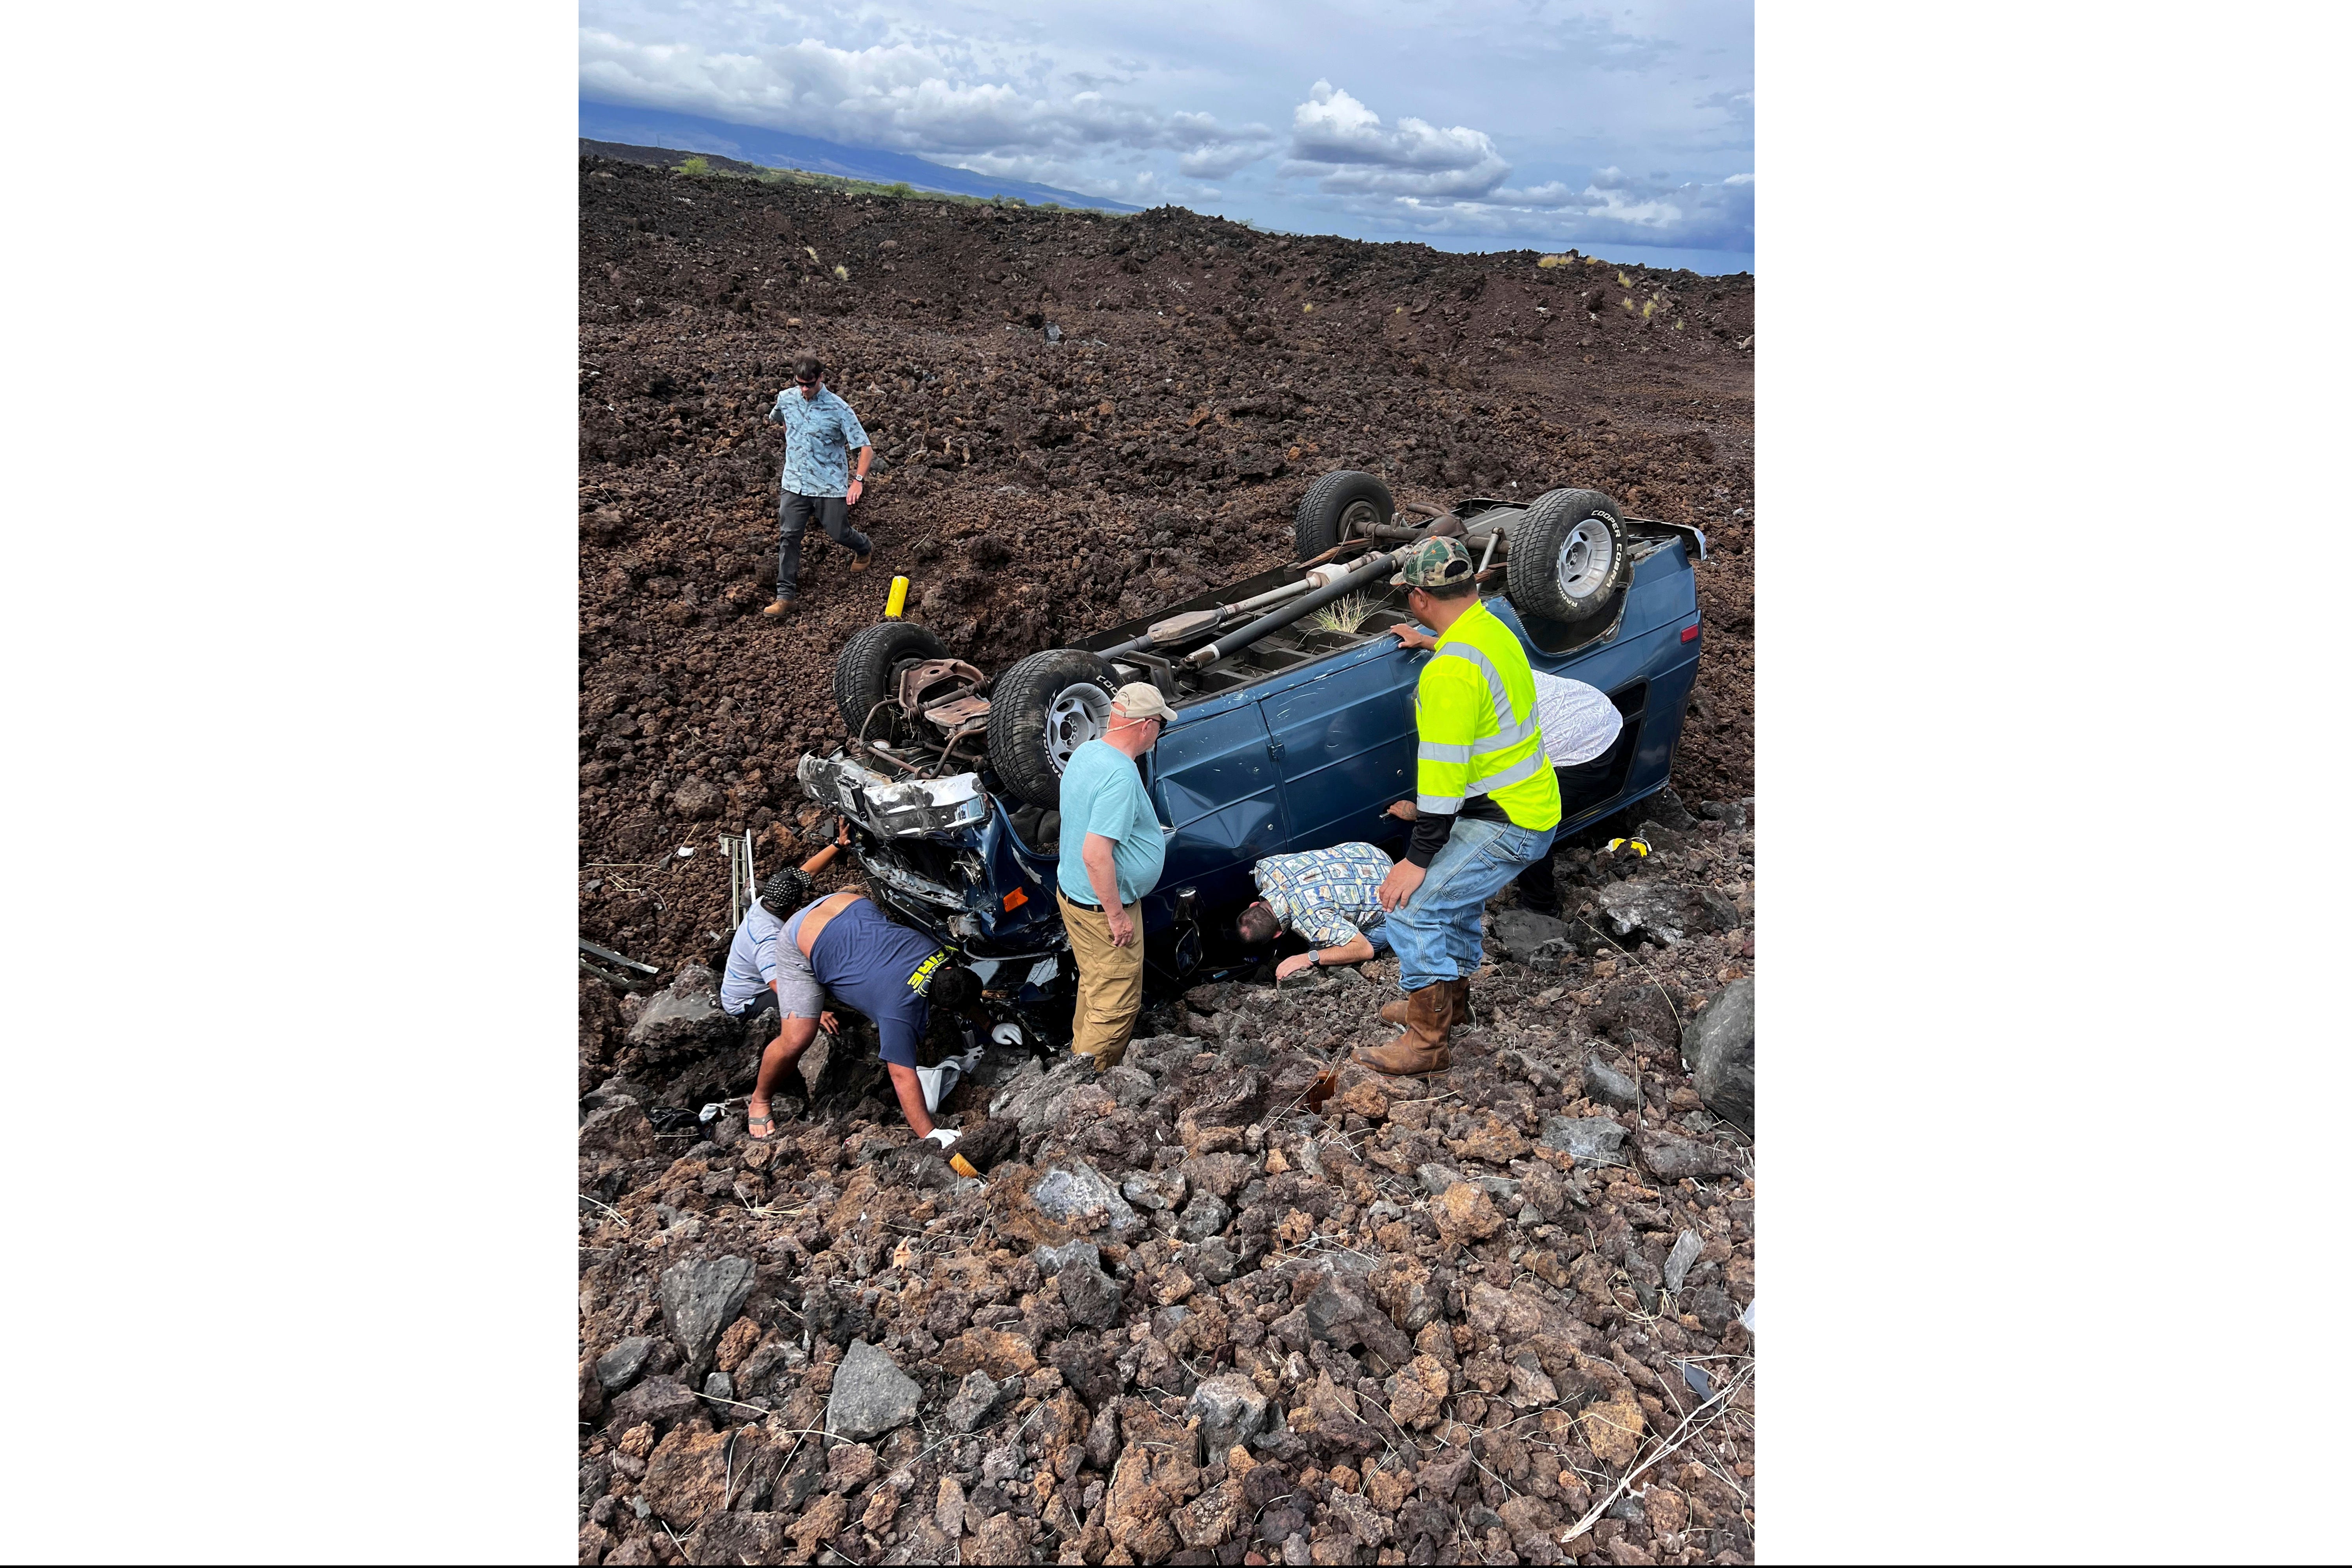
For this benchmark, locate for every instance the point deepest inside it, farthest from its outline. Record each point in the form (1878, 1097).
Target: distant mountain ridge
(781, 150)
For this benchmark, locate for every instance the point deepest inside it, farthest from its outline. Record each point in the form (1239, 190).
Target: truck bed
(1303, 644)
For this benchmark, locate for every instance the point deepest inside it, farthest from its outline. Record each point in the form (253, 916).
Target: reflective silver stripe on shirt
(1509, 731)
(1440, 751)
(1495, 687)
(1437, 804)
(1535, 762)
(1510, 735)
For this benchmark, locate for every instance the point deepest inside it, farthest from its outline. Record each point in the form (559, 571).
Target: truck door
(1219, 798)
(1345, 743)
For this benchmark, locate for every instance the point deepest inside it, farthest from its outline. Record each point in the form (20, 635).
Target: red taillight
(1015, 900)
(1690, 633)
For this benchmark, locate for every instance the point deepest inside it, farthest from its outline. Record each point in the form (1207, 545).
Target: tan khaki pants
(1110, 982)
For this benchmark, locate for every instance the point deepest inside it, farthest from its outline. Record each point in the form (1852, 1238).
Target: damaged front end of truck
(941, 855)
(1294, 725)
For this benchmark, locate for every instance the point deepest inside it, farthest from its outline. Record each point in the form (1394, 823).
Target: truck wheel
(1568, 557)
(867, 674)
(1044, 708)
(1347, 504)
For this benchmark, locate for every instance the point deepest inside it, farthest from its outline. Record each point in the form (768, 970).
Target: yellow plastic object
(897, 604)
(956, 1163)
(1637, 846)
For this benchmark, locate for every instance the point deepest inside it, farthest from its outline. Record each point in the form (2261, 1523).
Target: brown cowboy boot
(1421, 1047)
(1458, 993)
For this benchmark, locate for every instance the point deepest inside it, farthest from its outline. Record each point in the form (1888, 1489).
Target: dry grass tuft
(1345, 617)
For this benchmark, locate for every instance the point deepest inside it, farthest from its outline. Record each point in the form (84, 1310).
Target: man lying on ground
(1330, 897)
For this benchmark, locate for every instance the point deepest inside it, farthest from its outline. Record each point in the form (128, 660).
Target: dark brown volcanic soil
(1036, 491)
(1466, 1339)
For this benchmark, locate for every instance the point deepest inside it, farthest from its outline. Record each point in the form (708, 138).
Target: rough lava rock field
(1214, 1305)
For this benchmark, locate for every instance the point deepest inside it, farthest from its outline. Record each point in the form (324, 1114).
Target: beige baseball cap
(1141, 700)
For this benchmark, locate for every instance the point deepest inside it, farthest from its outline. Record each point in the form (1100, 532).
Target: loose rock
(618, 1367)
(1231, 1411)
(1687, 1247)
(1591, 1140)
(1610, 1087)
(700, 1299)
(870, 1394)
(1720, 1049)
(1464, 1213)
(1670, 1159)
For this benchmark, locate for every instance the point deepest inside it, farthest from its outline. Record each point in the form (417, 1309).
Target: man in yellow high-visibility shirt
(1486, 803)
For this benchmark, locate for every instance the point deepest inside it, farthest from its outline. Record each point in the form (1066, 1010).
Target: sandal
(768, 1122)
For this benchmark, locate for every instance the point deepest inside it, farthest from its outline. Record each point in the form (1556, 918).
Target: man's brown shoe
(1393, 1012)
(1421, 1047)
(860, 563)
(781, 607)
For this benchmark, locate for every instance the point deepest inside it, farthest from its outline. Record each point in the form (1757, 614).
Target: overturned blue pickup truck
(1294, 727)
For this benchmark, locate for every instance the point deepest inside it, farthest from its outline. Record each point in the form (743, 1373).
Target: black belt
(1096, 909)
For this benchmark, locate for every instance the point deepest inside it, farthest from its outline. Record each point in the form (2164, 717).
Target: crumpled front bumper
(942, 856)
(894, 808)
(939, 854)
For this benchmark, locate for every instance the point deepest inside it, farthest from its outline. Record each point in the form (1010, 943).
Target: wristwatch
(1315, 957)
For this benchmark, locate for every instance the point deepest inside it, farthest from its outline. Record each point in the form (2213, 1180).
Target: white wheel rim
(1081, 713)
(1585, 558)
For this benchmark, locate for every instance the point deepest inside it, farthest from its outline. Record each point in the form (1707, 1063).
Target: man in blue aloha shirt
(821, 431)
(1330, 897)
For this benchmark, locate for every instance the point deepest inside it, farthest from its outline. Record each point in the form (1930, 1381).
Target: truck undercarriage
(1294, 725)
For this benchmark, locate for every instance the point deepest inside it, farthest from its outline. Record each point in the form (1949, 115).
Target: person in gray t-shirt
(761, 961)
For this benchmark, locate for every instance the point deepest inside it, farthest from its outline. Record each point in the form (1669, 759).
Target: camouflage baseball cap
(1432, 563)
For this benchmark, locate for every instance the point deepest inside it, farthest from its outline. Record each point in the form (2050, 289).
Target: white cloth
(939, 1082)
(1579, 722)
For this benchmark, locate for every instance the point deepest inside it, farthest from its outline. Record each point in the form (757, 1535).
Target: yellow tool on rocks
(1640, 847)
(962, 1166)
(897, 607)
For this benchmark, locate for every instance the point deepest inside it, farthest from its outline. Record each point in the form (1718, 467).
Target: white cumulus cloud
(1611, 207)
(911, 98)
(1492, 126)
(1338, 140)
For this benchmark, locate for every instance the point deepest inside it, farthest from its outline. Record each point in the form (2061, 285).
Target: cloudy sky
(1625, 131)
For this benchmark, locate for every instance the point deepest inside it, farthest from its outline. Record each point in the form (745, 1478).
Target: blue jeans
(1436, 933)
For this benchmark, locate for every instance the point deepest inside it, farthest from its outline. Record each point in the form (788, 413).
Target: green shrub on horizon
(697, 164)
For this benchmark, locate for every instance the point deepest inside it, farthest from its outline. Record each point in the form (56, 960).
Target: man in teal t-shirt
(1112, 851)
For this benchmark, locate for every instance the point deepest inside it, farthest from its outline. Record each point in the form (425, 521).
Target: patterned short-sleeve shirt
(819, 433)
(1328, 895)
